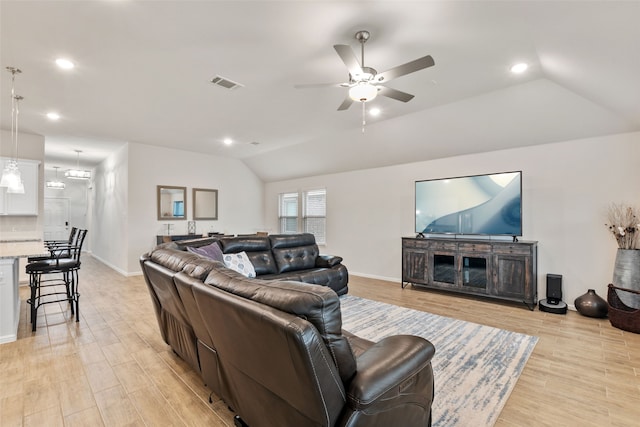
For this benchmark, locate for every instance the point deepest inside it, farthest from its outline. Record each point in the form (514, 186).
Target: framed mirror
(205, 203)
(172, 202)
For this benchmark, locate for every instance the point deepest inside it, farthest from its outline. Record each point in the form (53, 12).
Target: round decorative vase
(591, 305)
(626, 274)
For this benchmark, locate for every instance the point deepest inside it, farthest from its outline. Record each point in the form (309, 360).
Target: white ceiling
(143, 69)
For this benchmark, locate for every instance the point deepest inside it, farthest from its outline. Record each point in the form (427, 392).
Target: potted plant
(624, 225)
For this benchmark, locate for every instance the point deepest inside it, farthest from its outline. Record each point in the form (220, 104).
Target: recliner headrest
(279, 241)
(319, 305)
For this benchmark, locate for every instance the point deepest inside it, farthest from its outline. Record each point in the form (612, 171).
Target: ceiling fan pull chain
(363, 117)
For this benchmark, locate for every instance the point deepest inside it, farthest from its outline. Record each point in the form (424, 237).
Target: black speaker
(554, 288)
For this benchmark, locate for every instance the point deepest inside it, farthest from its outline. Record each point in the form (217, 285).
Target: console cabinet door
(510, 276)
(414, 266)
(475, 272)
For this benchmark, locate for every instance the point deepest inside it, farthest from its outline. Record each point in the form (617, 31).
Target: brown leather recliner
(285, 361)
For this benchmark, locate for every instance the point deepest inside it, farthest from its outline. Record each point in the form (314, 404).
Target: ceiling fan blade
(317, 85)
(345, 104)
(349, 59)
(404, 69)
(394, 93)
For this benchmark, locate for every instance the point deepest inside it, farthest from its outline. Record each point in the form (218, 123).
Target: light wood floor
(113, 369)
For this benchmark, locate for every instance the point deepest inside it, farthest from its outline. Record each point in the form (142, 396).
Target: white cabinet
(9, 300)
(21, 204)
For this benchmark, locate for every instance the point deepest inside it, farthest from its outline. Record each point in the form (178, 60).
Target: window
(313, 212)
(288, 213)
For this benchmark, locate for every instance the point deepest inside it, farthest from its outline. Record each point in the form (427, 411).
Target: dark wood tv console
(497, 269)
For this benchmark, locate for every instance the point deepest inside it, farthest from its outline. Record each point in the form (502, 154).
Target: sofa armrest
(328, 261)
(393, 372)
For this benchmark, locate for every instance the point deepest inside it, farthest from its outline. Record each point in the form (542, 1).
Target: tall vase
(626, 274)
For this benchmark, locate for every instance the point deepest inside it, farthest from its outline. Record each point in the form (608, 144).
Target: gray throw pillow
(211, 251)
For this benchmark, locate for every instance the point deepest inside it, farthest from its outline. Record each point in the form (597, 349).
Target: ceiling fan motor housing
(368, 75)
(362, 36)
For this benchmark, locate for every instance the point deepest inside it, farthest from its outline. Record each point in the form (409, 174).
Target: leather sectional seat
(275, 351)
(282, 256)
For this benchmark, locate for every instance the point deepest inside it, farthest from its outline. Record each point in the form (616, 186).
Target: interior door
(56, 219)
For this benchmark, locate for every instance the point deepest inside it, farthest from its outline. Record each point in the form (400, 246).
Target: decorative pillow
(211, 251)
(240, 262)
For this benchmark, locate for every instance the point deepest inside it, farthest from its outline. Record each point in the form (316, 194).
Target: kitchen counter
(22, 248)
(10, 253)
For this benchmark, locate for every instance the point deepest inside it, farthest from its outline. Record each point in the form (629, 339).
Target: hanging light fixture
(11, 174)
(55, 184)
(78, 173)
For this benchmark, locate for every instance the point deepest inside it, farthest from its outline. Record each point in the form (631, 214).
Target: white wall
(567, 188)
(240, 195)
(109, 232)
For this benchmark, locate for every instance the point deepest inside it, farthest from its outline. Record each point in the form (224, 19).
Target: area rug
(475, 367)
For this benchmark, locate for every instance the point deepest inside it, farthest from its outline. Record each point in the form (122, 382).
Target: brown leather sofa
(283, 257)
(275, 352)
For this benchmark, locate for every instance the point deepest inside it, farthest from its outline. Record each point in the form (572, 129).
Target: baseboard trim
(373, 276)
(108, 264)
(8, 338)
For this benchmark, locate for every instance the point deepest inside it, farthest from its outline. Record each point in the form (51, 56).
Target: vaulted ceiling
(143, 71)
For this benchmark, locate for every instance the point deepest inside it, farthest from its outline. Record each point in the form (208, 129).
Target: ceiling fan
(365, 83)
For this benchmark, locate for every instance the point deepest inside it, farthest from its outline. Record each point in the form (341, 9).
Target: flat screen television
(489, 204)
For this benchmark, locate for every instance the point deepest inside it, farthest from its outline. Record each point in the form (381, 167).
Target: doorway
(56, 219)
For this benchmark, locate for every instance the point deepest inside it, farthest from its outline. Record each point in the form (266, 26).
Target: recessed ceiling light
(228, 141)
(53, 116)
(64, 63)
(519, 68)
(374, 111)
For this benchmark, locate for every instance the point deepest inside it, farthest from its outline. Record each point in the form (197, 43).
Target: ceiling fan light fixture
(363, 92)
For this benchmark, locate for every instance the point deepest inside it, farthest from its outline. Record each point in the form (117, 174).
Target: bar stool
(65, 261)
(53, 244)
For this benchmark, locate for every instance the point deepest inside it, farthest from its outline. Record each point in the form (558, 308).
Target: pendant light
(11, 174)
(55, 184)
(78, 173)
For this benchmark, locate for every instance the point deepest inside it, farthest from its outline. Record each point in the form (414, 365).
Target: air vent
(225, 83)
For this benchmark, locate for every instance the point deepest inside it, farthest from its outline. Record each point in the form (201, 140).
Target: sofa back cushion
(258, 250)
(194, 243)
(171, 258)
(318, 305)
(294, 251)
